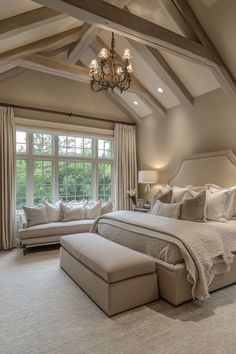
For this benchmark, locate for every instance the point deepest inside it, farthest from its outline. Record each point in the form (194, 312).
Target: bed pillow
(35, 215)
(194, 208)
(53, 211)
(107, 207)
(217, 205)
(230, 207)
(94, 210)
(163, 197)
(73, 212)
(178, 194)
(166, 210)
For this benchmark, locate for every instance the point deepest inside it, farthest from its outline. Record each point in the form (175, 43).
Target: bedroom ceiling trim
(158, 64)
(219, 68)
(48, 43)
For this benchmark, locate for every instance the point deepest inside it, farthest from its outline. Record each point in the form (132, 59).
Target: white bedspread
(205, 247)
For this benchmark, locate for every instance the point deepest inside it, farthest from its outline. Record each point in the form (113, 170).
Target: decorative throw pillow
(166, 210)
(70, 212)
(217, 205)
(53, 211)
(178, 194)
(107, 207)
(93, 211)
(163, 197)
(194, 208)
(35, 215)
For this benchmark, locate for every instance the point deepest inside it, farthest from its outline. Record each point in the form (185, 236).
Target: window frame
(55, 157)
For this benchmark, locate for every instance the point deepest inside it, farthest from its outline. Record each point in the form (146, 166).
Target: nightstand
(142, 210)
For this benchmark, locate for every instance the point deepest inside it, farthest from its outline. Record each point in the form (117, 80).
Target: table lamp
(147, 177)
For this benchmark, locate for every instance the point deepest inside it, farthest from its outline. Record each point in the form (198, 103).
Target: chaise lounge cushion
(56, 228)
(109, 260)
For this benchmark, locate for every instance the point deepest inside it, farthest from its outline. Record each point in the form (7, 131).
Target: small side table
(141, 210)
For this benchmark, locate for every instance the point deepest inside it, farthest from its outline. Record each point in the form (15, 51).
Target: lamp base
(147, 191)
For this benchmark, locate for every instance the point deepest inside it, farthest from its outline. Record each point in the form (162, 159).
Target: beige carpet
(43, 311)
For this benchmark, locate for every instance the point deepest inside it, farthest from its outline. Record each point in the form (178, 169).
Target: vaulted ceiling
(185, 47)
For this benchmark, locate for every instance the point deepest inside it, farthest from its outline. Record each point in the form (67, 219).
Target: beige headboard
(215, 167)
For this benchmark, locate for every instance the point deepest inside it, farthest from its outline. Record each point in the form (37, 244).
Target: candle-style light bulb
(127, 54)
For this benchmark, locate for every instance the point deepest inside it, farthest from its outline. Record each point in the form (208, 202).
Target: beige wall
(209, 125)
(36, 89)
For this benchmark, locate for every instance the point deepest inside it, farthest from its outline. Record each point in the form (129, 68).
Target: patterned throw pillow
(166, 210)
(36, 215)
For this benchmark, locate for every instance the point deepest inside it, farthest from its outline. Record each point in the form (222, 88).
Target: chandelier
(111, 71)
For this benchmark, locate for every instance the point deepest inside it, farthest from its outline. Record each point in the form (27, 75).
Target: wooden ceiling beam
(158, 64)
(28, 20)
(48, 43)
(12, 72)
(89, 34)
(107, 16)
(54, 67)
(179, 20)
(219, 68)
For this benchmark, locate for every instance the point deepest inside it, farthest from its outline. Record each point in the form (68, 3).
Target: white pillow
(217, 205)
(53, 211)
(230, 208)
(166, 210)
(35, 215)
(107, 207)
(93, 211)
(178, 194)
(70, 212)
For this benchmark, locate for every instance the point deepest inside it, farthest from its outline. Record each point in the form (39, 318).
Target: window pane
(42, 181)
(75, 180)
(75, 146)
(43, 144)
(21, 142)
(21, 181)
(105, 149)
(104, 181)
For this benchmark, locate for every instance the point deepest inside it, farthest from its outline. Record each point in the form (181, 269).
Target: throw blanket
(205, 247)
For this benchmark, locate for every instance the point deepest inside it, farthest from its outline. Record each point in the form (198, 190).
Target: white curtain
(125, 164)
(7, 179)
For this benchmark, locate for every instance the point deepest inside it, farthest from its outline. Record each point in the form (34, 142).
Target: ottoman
(115, 277)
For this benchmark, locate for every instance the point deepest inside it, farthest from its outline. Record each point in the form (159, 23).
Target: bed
(175, 265)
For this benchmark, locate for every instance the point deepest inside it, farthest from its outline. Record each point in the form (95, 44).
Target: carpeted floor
(43, 311)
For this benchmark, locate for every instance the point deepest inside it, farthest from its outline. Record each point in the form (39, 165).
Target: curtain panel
(7, 179)
(125, 164)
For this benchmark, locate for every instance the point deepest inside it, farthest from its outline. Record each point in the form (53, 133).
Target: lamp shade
(148, 176)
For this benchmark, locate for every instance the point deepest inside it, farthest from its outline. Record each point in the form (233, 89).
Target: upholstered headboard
(215, 167)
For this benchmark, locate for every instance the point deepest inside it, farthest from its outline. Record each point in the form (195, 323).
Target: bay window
(53, 166)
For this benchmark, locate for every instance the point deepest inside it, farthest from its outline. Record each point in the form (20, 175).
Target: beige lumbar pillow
(107, 207)
(193, 208)
(166, 210)
(35, 215)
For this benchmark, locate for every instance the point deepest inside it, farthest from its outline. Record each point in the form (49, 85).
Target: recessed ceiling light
(136, 103)
(160, 90)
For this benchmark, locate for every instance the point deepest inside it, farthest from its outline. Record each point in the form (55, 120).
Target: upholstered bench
(115, 277)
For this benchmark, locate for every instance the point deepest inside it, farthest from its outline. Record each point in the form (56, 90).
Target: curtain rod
(69, 114)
